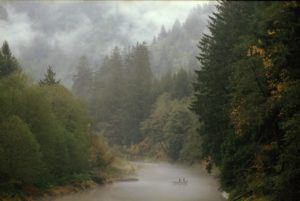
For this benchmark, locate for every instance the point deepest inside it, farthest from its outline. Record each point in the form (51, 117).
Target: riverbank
(31, 193)
(120, 170)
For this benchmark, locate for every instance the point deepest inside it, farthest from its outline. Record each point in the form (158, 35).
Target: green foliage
(178, 85)
(45, 135)
(20, 157)
(121, 95)
(246, 98)
(172, 125)
(73, 139)
(191, 151)
(54, 118)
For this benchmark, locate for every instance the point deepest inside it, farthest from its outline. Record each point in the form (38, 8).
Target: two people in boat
(183, 180)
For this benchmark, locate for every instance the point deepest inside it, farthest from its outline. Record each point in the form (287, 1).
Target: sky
(54, 32)
(143, 19)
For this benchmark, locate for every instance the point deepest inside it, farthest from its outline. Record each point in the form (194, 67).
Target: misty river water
(156, 183)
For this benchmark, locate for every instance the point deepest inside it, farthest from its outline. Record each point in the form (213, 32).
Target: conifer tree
(49, 78)
(246, 98)
(6, 50)
(82, 80)
(163, 33)
(8, 63)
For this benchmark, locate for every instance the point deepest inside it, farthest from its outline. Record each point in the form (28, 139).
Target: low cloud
(54, 32)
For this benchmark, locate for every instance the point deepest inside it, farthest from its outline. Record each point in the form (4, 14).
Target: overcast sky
(23, 21)
(57, 33)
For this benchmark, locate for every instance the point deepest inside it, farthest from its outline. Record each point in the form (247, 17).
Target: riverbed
(156, 182)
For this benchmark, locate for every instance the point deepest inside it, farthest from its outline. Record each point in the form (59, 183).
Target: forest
(224, 94)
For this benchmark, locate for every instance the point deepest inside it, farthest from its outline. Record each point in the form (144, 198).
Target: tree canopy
(245, 98)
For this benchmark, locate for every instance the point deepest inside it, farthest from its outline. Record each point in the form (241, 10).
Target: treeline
(176, 47)
(247, 99)
(124, 98)
(45, 135)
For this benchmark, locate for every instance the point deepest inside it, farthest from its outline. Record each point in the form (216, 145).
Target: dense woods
(247, 98)
(45, 135)
(238, 112)
(177, 47)
(136, 111)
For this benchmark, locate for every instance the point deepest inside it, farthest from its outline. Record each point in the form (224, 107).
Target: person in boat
(184, 180)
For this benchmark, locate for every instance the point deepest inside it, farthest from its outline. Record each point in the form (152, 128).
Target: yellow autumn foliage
(235, 117)
(292, 4)
(254, 50)
(271, 33)
(259, 164)
(277, 91)
(270, 146)
(267, 62)
(257, 51)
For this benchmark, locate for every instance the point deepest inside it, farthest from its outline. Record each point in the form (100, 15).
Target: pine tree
(246, 97)
(163, 33)
(212, 96)
(49, 78)
(107, 100)
(82, 80)
(8, 63)
(182, 86)
(139, 92)
(6, 50)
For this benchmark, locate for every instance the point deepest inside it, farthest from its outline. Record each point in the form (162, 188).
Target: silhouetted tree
(49, 78)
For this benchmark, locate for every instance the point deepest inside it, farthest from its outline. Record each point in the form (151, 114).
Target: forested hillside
(126, 93)
(247, 99)
(128, 103)
(93, 29)
(176, 48)
(220, 89)
(45, 134)
(50, 137)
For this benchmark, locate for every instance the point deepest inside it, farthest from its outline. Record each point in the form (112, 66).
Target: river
(156, 183)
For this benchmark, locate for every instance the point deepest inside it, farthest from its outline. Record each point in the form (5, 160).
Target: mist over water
(155, 184)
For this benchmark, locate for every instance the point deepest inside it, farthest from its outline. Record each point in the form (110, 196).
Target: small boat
(181, 182)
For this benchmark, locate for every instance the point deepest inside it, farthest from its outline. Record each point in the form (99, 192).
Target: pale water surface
(155, 184)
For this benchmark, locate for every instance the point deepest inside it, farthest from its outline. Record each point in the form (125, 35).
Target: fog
(156, 182)
(88, 86)
(59, 32)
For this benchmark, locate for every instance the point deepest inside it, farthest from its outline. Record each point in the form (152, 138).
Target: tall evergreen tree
(8, 63)
(82, 80)
(212, 87)
(163, 33)
(6, 50)
(49, 78)
(182, 84)
(243, 96)
(139, 96)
